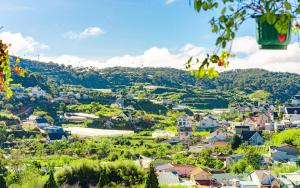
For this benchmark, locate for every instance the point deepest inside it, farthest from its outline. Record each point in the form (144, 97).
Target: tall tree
(2, 182)
(253, 159)
(51, 183)
(236, 142)
(103, 179)
(3, 134)
(151, 181)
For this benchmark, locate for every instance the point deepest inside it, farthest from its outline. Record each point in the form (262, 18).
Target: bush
(87, 174)
(84, 174)
(290, 136)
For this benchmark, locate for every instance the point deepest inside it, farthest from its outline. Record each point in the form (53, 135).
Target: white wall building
(292, 114)
(37, 92)
(209, 121)
(184, 128)
(295, 100)
(162, 134)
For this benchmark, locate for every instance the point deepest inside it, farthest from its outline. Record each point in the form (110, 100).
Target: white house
(37, 92)
(292, 114)
(269, 127)
(248, 184)
(37, 121)
(179, 107)
(77, 95)
(168, 178)
(184, 128)
(119, 103)
(290, 180)
(208, 123)
(295, 100)
(218, 136)
(162, 134)
(279, 126)
(264, 178)
(167, 101)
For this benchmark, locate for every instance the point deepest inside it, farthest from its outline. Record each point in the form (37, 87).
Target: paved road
(27, 110)
(89, 132)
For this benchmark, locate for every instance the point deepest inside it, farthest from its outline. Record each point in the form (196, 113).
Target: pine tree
(2, 182)
(51, 183)
(236, 142)
(103, 179)
(152, 181)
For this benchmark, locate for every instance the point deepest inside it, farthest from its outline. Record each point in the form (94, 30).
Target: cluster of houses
(53, 132)
(25, 93)
(169, 174)
(22, 93)
(250, 132)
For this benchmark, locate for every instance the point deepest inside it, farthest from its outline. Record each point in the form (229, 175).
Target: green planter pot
(269, 38)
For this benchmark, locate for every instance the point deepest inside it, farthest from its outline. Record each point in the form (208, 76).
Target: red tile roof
(182, 170)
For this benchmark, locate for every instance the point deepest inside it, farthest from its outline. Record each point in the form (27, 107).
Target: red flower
(220, 62)
(281, 38)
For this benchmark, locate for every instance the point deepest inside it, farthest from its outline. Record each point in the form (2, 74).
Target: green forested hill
(281, 85)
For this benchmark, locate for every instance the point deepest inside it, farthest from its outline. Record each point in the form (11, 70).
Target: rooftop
(292, 110)
(248, 134)
(294, 177)
(41, 120)
(168, 178)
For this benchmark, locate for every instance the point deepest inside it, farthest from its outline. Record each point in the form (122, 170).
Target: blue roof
(54, 129)
(41, 120)
(56, 136)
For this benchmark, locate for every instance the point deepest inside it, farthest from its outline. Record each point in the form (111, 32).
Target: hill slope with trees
(49, 75)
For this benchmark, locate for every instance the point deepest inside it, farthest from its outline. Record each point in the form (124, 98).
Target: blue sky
(130, 26)
(117, 32)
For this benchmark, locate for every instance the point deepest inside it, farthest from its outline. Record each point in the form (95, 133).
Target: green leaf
(215, 29)
(202, 72)
(219, 40)
(197, 5)
(287, 5)
(188, 63)
(224, 43)
(212, 73)
(271, 18)
(223, 11)
(263, 18)
(204, 6)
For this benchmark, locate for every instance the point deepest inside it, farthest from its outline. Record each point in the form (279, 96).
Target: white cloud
(158, 57)
(153, 57)
(246, 45)
(87, 33)
(169, 1)
(71, 60)
(251, 56)
(21, 45)
(273, 60)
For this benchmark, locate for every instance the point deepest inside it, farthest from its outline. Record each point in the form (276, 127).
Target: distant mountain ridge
(281, 85)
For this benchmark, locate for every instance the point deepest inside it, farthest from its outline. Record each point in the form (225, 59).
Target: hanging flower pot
(268, 36)
(273, 25)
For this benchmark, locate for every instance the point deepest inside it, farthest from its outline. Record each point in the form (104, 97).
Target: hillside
(281, 85)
